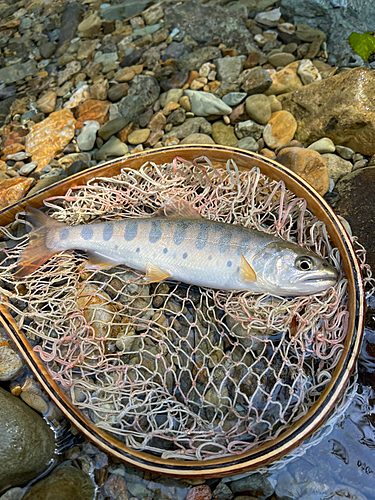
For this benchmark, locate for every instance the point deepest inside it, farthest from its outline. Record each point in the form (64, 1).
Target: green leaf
(363, 44)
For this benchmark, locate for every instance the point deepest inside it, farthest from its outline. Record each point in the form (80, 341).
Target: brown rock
(267, 153)
(13, 190)
(280, 129)
(335, 108)
(171, 106)
(286, 80)
(308, 164)
(90, 26)
(11, 150)
(123, 135)
(239, 114)
(251, 61)
(154, 137)
(158, 121)
(118, 91)
(124, 75)
(47, 103)
(192, 76)
(223, 134)
(357, 206)
(99, 90)
(92, 109)
(16, 136)
(50, 137)
(19, 106)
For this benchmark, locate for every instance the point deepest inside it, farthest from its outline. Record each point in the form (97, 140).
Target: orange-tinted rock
(267, 153)
(201, 492)
(280, 129)
(193, 75)
(123, 134)
(171, 106)
(11, 150)
(213, 86)
(307, 163)
(286, 80)
(251, 61)
(92, 110)
(13, 190)
(50, 136)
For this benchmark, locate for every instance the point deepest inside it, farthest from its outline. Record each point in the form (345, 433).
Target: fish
(177, 243)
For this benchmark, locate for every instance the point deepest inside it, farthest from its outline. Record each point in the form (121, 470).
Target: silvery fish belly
(193, 250)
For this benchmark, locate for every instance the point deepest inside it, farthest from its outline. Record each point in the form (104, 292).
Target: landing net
(180, 371)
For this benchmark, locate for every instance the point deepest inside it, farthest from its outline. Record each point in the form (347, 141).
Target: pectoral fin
(155, 274)
(99, 261)
(177, 208)
(247, 272)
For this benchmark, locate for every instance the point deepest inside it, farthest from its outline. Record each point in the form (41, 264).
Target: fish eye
(304, 263)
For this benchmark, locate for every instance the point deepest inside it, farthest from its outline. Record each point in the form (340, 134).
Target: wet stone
(198, 139)
(10, 361)
(255, 81)
(234, 98)
(26, 442)
(66, 483)
(13, 190)
(258, 107)
(18, 71)
(205, 104)
(223, 134)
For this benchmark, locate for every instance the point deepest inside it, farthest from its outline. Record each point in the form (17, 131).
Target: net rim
(270, 451)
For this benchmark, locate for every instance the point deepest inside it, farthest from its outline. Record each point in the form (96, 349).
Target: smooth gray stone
(248, 143)
(234, 98)
(112, 127)
(229, 68)
(27, 444)
(206, 104)
(17, 71)
(124, 10)
(190, 126)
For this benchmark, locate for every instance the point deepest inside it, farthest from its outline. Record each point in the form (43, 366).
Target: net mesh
(181, 371)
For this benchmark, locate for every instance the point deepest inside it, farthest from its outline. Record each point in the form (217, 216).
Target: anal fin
(99, 261)
(155, 274)
(247, 272)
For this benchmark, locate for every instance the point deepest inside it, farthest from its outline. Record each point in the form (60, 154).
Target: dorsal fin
(177, 208)
(247, 272)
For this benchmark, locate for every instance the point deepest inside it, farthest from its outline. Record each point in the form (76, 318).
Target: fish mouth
(319, 278)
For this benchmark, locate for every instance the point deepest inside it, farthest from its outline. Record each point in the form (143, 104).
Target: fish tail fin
(37, 252)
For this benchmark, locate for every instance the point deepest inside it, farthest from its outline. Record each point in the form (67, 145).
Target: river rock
(248, 128)
(18, 71)
(124, 10)
(10, 361)
(118, 91)
(234, 98)
(81, 95)
(13, 190)
(254, 484)
(258, 107)
(50, 136)
(223, 134)
(27, 443)
(229, 68)
(143, 93)
(200, 492)
(65, 483)
(286, 80)
(87, 137)
(192, 61)
(322, 109)
(113, 147)
(198, 139)
(248, 143)
(324, 145)
(308, 72)
(280, 129)
(205, 23)
(255, 80)
(173, 95)
(139, 136)
(337, 166)
(307, 163)
(206, 104)
(281, 59)
(153, 14)
(190, 126)
(47, 103)
(90, 26)
(92, 110)
(112, 127)
(269, 18)
(71, 69)
(70, 20)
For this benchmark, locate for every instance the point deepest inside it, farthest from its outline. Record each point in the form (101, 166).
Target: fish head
(286, 269)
